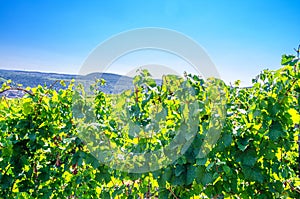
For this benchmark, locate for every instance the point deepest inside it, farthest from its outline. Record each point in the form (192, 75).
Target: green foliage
(42, 155)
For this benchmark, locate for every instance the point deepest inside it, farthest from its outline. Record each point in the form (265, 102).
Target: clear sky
(242, 37)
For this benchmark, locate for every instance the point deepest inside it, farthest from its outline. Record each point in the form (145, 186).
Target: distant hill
(114, 83)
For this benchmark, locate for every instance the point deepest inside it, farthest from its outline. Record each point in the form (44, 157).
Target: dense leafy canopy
(255, 155)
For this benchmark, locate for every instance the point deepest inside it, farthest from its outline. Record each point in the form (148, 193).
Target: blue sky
(241, 37)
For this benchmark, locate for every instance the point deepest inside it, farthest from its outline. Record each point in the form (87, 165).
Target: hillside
(114, 83)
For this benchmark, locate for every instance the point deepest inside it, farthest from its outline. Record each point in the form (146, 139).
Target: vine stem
(293, 188)
(52, 85)
(298, 51)
(16, 89)
(24, 90)
(170, 189)
(287, 91)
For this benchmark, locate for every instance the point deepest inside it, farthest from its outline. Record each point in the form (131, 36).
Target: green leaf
(164, 194)
(180, 180)
(216, 175)
(207, 178)
(200, 171)
(6, 181)
(179, 169)
(167, 175)
(249, 157)
(92, 160)
(253, 174)
(7, 149)
(288, 60)
(226, 169)
(201, 161)
(227, 139)
(105, 194)
(210, 166)
(190, 175)
(62, 82)
(151, 83)
(32, 136)
(45, 174)
(243, 143)
(27, 108)
(237, 83)
(275, 131)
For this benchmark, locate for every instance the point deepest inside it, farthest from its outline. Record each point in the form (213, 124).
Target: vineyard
(233, 142)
